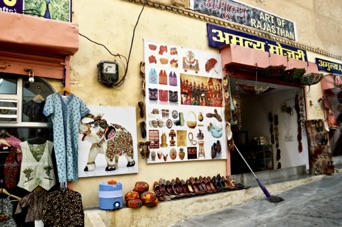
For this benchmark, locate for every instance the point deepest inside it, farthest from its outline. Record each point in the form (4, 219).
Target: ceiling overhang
(29, 42)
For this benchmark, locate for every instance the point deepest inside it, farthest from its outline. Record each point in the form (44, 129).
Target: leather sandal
(208, 186)
(163, 190)
(175, 189)
(278, 154)
(162, 184)
(196, 187)
(186, 189)
(142, 109)
(169, 190)
(180, 187)
(203, 185)
(217, 115)
(228, 184)
(210, 182)
(189, 187)
(220, 183)
(157, 191)
(213, 151)
(218, 146)
(143, 129)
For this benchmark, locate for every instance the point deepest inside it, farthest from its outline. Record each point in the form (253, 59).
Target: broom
(270, 198)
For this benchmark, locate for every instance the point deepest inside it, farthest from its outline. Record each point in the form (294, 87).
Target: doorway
(266, 129)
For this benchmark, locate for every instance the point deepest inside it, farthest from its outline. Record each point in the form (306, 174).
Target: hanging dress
(36, 166)
(66, 113)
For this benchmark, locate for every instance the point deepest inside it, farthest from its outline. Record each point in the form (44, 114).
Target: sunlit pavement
(318, 203)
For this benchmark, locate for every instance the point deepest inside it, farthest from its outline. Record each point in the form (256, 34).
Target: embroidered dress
(35, 201)
(36, 167)
(11, 169)
(6, 209)
(63, 207)
(66, 113)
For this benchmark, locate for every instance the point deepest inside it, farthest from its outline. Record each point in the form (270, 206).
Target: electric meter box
(107, 73)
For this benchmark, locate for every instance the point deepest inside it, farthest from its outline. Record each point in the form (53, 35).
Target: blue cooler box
(110, 196)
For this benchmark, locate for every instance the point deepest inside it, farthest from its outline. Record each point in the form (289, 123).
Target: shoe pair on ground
(176, 188)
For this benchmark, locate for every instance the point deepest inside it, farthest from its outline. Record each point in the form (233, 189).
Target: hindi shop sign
(221, 36)
(246, 15)
(329, 66)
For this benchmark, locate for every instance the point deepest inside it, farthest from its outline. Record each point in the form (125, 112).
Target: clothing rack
(4, 191)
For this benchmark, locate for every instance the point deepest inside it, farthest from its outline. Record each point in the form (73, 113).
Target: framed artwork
(107, 143)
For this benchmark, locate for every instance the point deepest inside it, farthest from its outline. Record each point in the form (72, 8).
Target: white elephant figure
(112, 140)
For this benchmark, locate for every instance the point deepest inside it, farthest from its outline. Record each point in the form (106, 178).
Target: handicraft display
(320, 156)
(184, 104)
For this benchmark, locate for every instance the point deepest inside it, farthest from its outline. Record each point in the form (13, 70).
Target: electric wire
(130, 49)
(126, 64)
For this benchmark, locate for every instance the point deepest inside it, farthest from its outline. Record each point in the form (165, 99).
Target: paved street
(317, 203)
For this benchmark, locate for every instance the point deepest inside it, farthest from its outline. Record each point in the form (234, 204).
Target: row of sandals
(176, 188)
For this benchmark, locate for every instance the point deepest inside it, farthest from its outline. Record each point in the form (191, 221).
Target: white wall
(255, 110)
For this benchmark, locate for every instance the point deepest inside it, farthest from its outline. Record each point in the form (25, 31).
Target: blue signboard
(220, 36)
(329, 66)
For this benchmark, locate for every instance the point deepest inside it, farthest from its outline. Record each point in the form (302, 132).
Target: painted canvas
(107, 142)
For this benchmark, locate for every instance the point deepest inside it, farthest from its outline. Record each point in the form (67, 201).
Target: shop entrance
(266, 126)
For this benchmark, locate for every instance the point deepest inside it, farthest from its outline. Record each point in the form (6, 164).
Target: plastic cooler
(110, 196)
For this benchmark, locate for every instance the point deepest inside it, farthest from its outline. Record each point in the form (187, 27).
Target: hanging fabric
(37, 167)
(63, 208)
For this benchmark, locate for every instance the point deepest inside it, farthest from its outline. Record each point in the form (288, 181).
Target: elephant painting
(112, 140)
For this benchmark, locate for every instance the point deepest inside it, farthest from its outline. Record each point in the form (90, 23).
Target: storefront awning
(247, 61)
(39, 44)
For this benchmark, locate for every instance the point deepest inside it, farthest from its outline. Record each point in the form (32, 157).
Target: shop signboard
(219, 37)
(329, 66)
(236, 12)
(49, 9)
(184, 104)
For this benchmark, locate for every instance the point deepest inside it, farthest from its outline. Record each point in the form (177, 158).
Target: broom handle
(245, 161)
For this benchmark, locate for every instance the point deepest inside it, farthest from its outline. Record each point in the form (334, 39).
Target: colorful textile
(63, 208)
(36, 167)
(13, 141)
(35, 201)
(6, 209)
(11, 169)
(66, 113)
